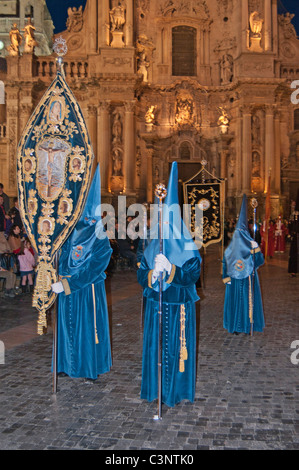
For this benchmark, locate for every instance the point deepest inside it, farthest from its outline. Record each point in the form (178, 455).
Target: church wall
(234, 110)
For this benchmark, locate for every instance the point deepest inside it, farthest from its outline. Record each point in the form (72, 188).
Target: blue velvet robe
(176, 385)
(236, 304)
(83, 337)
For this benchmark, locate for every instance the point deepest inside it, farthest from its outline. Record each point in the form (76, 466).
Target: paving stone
(247, 393)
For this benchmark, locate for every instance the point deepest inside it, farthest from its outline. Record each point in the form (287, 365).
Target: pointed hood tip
(93, 199)
(243, 218)
(172, 196)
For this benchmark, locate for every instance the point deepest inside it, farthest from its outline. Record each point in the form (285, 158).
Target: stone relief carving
(256, 131)
(180, 7)
(224, 7)
(144, 50)
(226, 69)
(288, 28)
(74, 21)
(117, 138)
(225, 43)
(143, 8)
(184, 109)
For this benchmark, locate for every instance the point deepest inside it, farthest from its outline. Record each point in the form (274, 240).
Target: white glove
(57, 287)
(254, 245)
(156, 271)
(161, 259)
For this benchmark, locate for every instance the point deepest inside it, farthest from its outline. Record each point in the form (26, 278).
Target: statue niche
(117, 21)
(256, 25)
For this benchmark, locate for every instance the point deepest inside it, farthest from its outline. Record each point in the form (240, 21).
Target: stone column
(103, 23)
(129, 163)
(246, 151)
(103, 143)
(244, 25)
(149, 184)
(268, 26)
(92, 26)
(275, 26)
(129, 26)
(277, 175)
(269, 145)
(239, 153)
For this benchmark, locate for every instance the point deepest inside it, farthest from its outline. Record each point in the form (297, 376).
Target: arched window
(296, 120)
(184, 51)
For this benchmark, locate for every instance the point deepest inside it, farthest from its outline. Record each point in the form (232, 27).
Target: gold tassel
(183, 349)
(94, 314)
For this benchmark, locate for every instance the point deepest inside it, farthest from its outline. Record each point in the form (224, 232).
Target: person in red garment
(270, 242)
(281, 232)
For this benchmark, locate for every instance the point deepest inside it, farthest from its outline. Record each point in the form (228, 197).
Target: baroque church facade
(192, 81)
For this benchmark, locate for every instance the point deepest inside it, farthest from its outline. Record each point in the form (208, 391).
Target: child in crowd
(27, 264)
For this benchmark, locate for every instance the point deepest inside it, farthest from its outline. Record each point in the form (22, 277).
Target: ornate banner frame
(210, 197)
(54, 169)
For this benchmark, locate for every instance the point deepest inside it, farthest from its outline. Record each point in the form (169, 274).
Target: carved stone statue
(226, 67)
(223, 121)
(117, 162)
(144, 49)
(15, 40)
(75, 19)
(150, 115)
(256, 24)
(117, 17)
(184, 111)
(30, 41)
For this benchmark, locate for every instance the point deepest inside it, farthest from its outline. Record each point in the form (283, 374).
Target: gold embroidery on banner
(65, 207)
(29, 165)
(52, 135)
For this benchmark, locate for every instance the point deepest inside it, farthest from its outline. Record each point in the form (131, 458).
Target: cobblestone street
(247, 390)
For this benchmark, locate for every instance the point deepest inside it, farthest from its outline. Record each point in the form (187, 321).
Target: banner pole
(254, 204)
(55, 313)
(161, 194)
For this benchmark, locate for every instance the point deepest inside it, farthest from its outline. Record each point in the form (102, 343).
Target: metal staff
(160, 193)
(55, 313)
(143, 248)
(254, 205)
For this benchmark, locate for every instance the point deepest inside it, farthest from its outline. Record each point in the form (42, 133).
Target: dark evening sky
(58, 10)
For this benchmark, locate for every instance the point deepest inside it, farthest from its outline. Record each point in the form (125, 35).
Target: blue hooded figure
(180, 264)
(243, 302)
(83, 338)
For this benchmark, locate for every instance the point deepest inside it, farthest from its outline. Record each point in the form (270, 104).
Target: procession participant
(294, 247)
(243, 301)
(83, 339)
(280, 231)
(267, 239)
(180, 265)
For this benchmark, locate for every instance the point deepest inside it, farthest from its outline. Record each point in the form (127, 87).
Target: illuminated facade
(165, 80)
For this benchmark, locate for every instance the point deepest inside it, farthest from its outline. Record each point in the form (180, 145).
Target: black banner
(207, 197)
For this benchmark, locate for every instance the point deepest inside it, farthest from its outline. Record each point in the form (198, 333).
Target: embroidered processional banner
(54, 164)
(208, 198)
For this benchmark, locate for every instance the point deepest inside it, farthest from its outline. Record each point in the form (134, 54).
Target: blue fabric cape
(178, 245)
(238, 257)
(89, 227)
